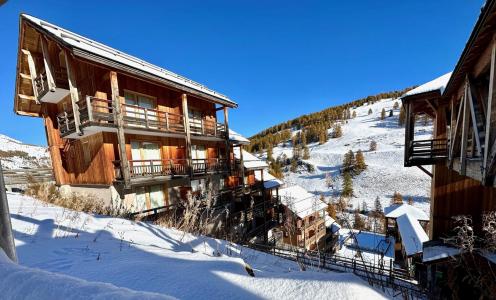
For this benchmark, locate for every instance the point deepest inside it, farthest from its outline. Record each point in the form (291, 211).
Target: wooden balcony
(209, 166)
(48, 93)
(426, 152)
(98, 115)
(205, 127)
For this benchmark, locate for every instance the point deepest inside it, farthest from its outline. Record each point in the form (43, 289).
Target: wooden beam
(432, 106)
(32, 72)
(119, 122)
(226, 126)
(465, 128)
(27, 97)
(71, 78)
(474, 119)
(454, 139)
(425, 171)
(408, 138)
(48, 64)
(490, 99)
(187, 129)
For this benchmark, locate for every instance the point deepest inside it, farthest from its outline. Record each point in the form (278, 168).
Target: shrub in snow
(373, 146)
(383, 114)
(396, 105)
(370, 111)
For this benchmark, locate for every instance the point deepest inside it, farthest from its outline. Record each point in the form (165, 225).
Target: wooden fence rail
(26, 176)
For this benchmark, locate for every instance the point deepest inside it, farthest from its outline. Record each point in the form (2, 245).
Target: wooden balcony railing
(99, 112)
(211, 165)
(201, 126)
(426, 152)
(41, 82)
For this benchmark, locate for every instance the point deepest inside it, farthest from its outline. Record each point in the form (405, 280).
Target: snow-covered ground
(145, 257)
(385, 173)
(15, 154)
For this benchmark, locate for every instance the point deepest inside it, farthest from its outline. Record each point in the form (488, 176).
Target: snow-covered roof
(331, 223)
(412, 234)
(250, 161)
(270, 181)
(237, 138)
(396, 210)
(433, 85)
(86, 44)
(299, 201)
(438, 252)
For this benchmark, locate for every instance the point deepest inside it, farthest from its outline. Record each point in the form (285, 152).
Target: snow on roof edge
(412, 234)
(438, 83)
(95, 47)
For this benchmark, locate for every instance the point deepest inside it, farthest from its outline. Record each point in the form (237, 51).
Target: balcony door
(141, 110)
(146, 158)
(198, 155)
(195, 121)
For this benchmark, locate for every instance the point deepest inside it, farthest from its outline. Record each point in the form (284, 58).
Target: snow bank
(20, 282)
(145, 257)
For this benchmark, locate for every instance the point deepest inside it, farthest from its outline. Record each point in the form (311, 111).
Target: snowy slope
(144, 257)
(15, 154)
(385, 173)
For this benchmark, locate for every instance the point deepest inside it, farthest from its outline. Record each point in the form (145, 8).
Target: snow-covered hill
(385, 173)
(15, 154)
(145, 257)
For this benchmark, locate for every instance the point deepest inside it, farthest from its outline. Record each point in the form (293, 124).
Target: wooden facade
(120, 123)
(462, 151)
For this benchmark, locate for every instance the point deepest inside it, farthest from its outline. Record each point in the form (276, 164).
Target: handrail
(158, 167)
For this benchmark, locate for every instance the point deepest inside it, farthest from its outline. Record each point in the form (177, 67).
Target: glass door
(195, 121)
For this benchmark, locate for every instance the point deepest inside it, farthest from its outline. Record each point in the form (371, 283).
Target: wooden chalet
(462, 153)
(130, 133)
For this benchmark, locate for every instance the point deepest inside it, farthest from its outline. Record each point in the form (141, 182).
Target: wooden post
(226, 127)
(242, 166)
(71, 78)
(6, 236)
(48, 64)
(465, 127)
(89, 108)
(32, 73)
(187, 129)
(475, 132)
(491, 95)
(119, 122)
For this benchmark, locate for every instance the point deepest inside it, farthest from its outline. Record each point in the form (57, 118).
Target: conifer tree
(303, 138)
(378, 206)
(360, 165)
(383, 114)
(349, 162)
(373, 146)
(397, 198)
(294, 165)
(359, 223)
(364, 207)
(269, 153)
(370, 111)
(323, 137)
(354, 114)
(410, 200)
(338, 131)
(306, 152)
(331, 210)
(347, 185)
(396, 105)
(391, 113)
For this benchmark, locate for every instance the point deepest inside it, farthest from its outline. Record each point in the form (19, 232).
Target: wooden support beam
(454, 140)
(490, 99)
(226, 127)
(32, 72)
(474, 119)
(73, 89)
(187, 129)
(408, 138)
(48, 64)
(432, 106)
(119, 122)
(243, 175)
(465, 128)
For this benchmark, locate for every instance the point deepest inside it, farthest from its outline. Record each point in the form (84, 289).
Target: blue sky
(277, 59)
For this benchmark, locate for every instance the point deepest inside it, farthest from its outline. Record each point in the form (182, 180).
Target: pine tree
(359, 223)
(397, 198)
(269, 153)
(338, 131)
(360, 165)
(347, 185)
(354, 114)
(294, 165)
(323, 137)
(276, 170)
(396, 105)
(306, 152)
(370, 111)
(391, 113)
(349, 161)
(383, 114)
(296, 152)
(410, 200)
(378, 206)
(364, 207)
(402, 117)
(303, 138)
(373, 146)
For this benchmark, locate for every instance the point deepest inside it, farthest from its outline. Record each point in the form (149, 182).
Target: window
(146, 157)
(149, 197)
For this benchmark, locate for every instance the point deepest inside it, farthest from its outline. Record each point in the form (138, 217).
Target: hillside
(15, 154)
(385, 173)
(145, 257)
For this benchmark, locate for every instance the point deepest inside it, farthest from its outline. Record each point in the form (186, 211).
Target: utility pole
(6, 236)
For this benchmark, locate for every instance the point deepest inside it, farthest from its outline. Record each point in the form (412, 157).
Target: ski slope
(15, 154)
(385, 173)
(144, 257)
